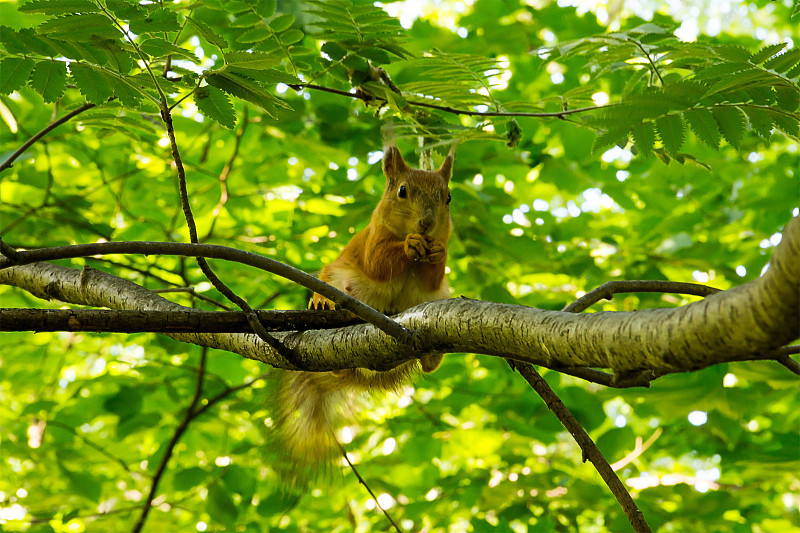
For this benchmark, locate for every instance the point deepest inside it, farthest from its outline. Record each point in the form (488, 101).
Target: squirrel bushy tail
(310, 406)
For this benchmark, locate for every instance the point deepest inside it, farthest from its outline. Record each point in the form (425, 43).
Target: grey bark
(747, 322)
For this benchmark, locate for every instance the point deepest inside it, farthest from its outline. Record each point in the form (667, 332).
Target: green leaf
(731, 123)
(788, 97)
(189, 478)
(268, 8)
(246, 21)
(356, 63)
(159, 47)
(790, 125)
(291, 36)
(703, 125)
(79, 28)
(208, 34)
(82, 483)
(50, 79)
(240, 480)
(24, 42)
(14, 73)
(246, 89)
(722, 69)
(644, 138)
(281, 22)
(334, 50)
(159, 20)
(214, 104)
(672, 133)
(58, 7)
(124, 91)
(125, 403)
(254, 60)
(268, 76)
(125, 9)
(785, 61)
(731, 52)
(766, 53)
(220, 505)
(760, 121)
(255, 35)
(376, 55)
(92, 82)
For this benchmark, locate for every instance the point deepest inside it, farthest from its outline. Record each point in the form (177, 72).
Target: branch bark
(178, 321)
(745, 323)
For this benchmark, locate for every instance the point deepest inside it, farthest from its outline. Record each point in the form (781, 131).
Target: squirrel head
(415, 201)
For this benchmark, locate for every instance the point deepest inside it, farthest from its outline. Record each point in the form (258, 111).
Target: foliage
(570, 204)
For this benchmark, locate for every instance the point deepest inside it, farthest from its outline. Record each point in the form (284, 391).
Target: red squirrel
(396, 262)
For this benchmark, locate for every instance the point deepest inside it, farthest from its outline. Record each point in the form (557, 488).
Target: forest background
(599, 141)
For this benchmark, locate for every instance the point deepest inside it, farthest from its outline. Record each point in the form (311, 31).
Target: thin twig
(649, 60)
(9, 251)
(223, 176)
(788, 362)
(359, 95)
(179, 431)
(89, 442)
(640, 379)
(607, 290)
(638, 450)
(363, 482)
(47, 129)
(588, 447)
(227, 392)
(252, 317)
(194, 294)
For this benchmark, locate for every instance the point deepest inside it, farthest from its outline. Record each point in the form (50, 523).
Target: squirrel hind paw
(320, 303)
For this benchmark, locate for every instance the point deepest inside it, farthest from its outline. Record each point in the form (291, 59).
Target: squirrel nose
(426, 222)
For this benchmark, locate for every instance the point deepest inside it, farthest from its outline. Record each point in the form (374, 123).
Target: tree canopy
(596, 143)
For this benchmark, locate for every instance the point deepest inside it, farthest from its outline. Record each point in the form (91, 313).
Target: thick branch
(179, 321)
(745, 323)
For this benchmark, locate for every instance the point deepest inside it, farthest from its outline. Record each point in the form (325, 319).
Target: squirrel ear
(393, 164)
(446, 169)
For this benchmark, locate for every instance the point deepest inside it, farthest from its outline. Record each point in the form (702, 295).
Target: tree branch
(176, 436)
(342, 300)
(218, 284)
(47, 129)
(178, 321)
(609, 289)
(748, 322)
(366, 486)
(366, 98)
(588, 447)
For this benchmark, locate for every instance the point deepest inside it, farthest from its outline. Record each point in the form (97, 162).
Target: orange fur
(396, 262)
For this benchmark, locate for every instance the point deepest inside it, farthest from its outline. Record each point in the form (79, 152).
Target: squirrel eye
(448, 199)
(401, 192)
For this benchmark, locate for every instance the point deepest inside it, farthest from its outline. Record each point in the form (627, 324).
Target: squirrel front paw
(415, 246)
(436, 251)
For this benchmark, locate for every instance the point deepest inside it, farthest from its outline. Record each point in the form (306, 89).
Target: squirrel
(396, 262)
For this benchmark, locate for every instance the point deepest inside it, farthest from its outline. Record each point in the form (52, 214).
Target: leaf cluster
(717, 90)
